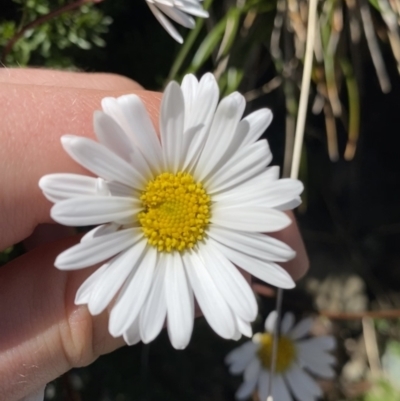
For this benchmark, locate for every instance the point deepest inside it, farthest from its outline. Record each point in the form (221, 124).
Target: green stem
(191, 38)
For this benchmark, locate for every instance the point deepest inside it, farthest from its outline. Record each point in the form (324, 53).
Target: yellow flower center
(286, 352)
(176, 212)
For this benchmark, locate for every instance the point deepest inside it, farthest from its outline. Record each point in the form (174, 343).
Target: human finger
(43, 333)
(67, 79)
(33, 120)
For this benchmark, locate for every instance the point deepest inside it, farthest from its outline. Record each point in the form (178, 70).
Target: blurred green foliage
(46, 43)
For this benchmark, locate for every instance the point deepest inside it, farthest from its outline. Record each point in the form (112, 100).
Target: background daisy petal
(165, 23)
(178, 16)
(240, 357)
(302, 328)
(280, 390)
(245, 390)
(270, 322)
(302, 385)
(287, 322)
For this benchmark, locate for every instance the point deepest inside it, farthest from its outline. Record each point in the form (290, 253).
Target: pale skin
(42, 333)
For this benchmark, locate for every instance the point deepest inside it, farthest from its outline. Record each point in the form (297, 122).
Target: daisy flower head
(175, 213)
(297, 354)
(179, 11)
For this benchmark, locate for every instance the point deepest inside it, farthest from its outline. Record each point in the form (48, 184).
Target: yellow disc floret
(176, 212)
(286, 351)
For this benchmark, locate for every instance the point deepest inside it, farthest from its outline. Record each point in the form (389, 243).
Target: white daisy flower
(297, 353)
(178, 11)
(175, 213)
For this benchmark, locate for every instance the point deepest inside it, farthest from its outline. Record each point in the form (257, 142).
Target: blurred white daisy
(178, 11)
(36, 396)
(297, 354)
(175, 213)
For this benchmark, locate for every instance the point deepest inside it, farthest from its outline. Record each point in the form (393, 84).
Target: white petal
(244, 327)
(113, 278)
(132, 334)
(101, 161)
(57, 187)
(141, 129)
(204, 103)
(192, 7)
(290, 205)
(258, 122)
(252, 185)
(133, 295)
(253, 370)
(240, 357)
(273, 195)
(257, 218)
(315, 350)
(201, 114)
(38, 395)
(302, 385)
(280, 390)
(254, 244)
(317, 363)
(270, 322)
(268, 272)
(165, 23)
(189, 88)
(89, 210)
(263, 386)
(302, 328)
(222, 131)
(230, 283)
(247, 163)
(180, 303)
(214, 307)
(110, 134)
(88, 253)
(171, 127)
(84, 292)
(117, 189)
(99, 231)
(154, 311)
(287, 322)
(178, 16)
(245, 390)
(323, 343)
